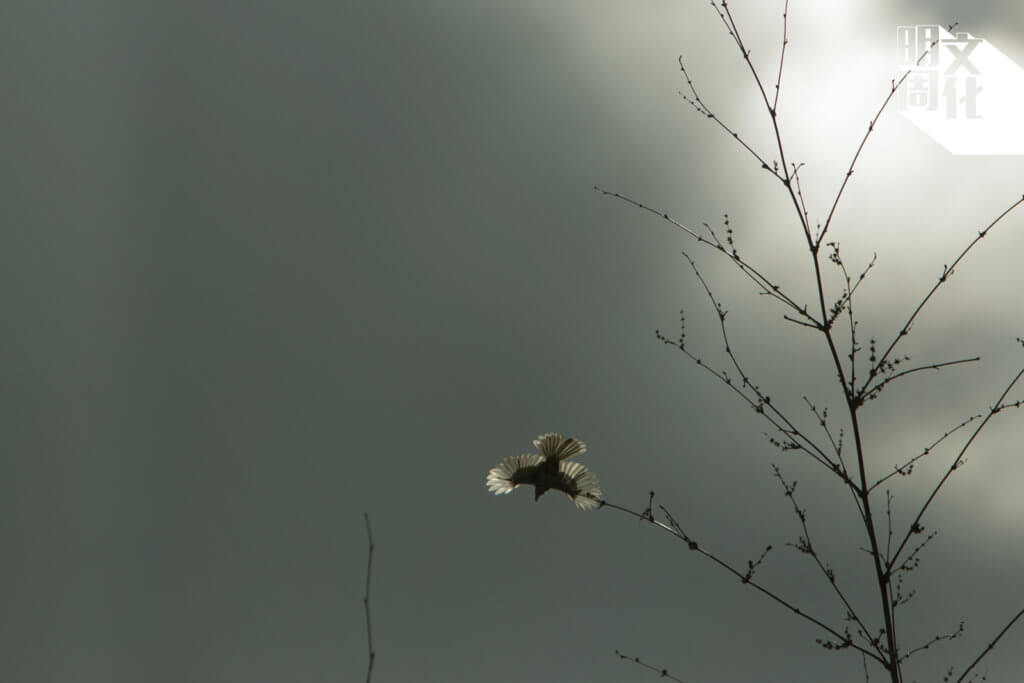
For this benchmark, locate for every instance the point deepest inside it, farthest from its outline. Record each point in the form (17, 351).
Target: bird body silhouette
(551, 469)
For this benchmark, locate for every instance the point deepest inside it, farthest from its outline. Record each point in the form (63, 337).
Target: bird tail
(558, 446)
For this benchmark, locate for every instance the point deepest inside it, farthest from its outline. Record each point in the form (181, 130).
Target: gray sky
(267, 268)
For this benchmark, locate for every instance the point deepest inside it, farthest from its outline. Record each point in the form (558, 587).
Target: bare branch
(725, 14)
(837, 446)
(795, 175)
(662, 672)
(936, 639)
(801, 322)
(675, 530)
(763, 407)
(764, 284)
(698, 104)
(806, 546)
(990, 646)
(888, 516)
(873, 391)
(916, 527)
(907, 467)
(659, 214)
(871, 127)
(947, 272)
(366, 599)
(759, 401)
(782, 53)
(900, 572)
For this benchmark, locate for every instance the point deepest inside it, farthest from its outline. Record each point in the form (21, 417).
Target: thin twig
(848, 295)
(675, 530)
(806, 546)
(698, 104)
(871, 127)
(764, 284)
(760, 406)
(782, 53)
(915, 527)
(947, 272)
(795, 175)
(990, 646)
(725, 14)
(908, 467)
(366, 599)
(874, 390)
(662, 672)
(822, 417)
(763, 404)
(935, 639)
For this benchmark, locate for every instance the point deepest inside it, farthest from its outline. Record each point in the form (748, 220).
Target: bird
(551, 469)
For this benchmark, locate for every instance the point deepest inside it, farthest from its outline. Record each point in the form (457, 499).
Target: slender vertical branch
(882, 575)
(366, 599)
(782, 53)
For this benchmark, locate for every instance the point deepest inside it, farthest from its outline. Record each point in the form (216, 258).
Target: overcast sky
(268, 266)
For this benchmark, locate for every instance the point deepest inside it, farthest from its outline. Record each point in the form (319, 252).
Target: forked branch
(947, 272)
(871, 127)
(673, 528)
(915, 527)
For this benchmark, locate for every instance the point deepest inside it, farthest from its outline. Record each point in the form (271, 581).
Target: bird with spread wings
(551, 469)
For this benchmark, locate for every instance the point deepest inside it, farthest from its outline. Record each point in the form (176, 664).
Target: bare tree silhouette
(862, 372)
